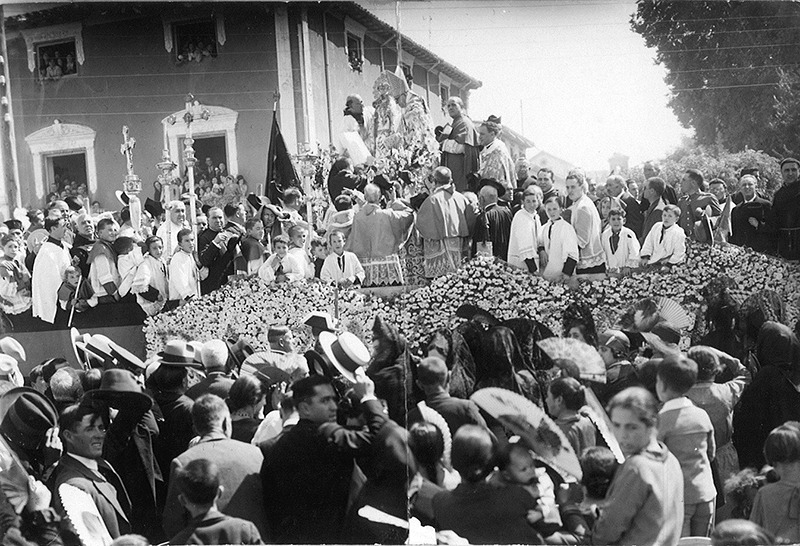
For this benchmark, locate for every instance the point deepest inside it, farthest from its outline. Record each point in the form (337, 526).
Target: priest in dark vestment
(752, 221)
(459, 145)
(497, 219)
(786, 206)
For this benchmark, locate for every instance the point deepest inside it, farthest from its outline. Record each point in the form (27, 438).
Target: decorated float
(246, 307)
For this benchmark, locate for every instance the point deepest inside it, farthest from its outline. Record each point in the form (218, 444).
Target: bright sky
(571, 75)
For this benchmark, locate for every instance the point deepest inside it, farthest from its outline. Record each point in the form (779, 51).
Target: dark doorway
(210, 147)
(68, 174)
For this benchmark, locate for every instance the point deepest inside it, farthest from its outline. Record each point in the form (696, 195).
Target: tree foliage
(732, 68)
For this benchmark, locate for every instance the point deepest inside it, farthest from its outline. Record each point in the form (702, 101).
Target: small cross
(126, 148)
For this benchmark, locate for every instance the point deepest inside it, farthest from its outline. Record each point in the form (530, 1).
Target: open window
(354, 43)
(195, 41)
(54, 51)
(214, 138)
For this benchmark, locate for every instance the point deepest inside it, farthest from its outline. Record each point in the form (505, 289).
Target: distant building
(560, 167)
(79, 71)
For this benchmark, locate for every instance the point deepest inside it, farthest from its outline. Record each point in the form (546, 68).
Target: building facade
(79, 72)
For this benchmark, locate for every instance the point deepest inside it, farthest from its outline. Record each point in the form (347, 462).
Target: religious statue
(387, 117)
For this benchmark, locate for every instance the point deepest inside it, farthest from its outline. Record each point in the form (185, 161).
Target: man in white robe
(48, 270)
(168, 231)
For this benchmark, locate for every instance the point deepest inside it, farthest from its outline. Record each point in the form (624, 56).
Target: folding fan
(533, 426)
(84, 516)
(672, 312)
(589, 362)
(598, 416)
(432, 416)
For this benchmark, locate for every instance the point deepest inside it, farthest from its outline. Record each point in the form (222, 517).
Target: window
(195, 41)
(444, 94)
(55, 60)
(355, 51)
(213, 148)
(214, 138)
(66, 174)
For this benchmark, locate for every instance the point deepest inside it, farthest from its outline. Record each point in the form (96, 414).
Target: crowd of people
(214, 443)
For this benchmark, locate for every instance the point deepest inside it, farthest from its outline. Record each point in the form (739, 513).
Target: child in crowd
(688, 433)
(15, 281)
(341, 267)
(565, 398)
(184, 274)
(526, 230)
(558, 247)
(319, 251)
(718, 401)
(599, 466)
(298, 248)
(645, 500)
(620, 373)
(75, 291)
(741, 490)
(252, 250)
(740, 532)
(199, 486)
(281, 266)
(776, 507)
(517, 467)
(666, 242)
(154, 271)
(620, 244)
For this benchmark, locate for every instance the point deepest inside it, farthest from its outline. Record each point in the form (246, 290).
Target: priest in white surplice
(48, 269)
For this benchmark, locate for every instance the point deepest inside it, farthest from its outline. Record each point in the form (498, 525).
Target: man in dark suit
(242, 496)
(634, 217)
(217, 245)
(83, 435)
(497, 229)
(434, 378)
(694, 202)
(545, 179)
(752, 221)
(306, 476)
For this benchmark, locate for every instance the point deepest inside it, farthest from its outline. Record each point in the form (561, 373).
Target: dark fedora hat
(74, 202)
(319, 320)
(179, 353)
(123, 198)
(319, 365)
(346, 352)
(501, 190)
(257, 201)
(118, 389)
(25, 417)
(155, 208)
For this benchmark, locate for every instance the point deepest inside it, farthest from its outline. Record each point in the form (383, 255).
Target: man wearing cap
(242, 496)
(433, 378)
(218, 377)
(377, 235)
(168, 231)
(128, 445)
(695, 202)
(494, 225)
(786, 206)
(445, 221)
(83, 433)
(48, 270)
(83, 242)
(27, 416)
(306, 476)
(281, 354)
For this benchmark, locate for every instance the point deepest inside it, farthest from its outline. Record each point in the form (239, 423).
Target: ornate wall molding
(53, 34)
(62, 138)
(221, 121)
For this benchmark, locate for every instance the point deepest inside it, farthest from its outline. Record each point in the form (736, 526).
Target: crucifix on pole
(131, 185)
(194, 111)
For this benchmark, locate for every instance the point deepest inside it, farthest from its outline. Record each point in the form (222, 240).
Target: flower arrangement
(247, 306)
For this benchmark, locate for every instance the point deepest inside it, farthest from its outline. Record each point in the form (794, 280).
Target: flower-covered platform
(247, 307)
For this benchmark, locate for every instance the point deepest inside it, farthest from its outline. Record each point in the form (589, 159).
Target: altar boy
(341, 267)
(620, 244)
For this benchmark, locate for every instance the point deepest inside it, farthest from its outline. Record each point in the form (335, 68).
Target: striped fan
(672, 312)
(432, 416)
(600, 419)
(589, 362)
(533, 426)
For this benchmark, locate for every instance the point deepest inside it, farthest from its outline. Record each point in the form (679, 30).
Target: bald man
(446, 221)
(494, 226)
(83, 241)
(376, 237)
